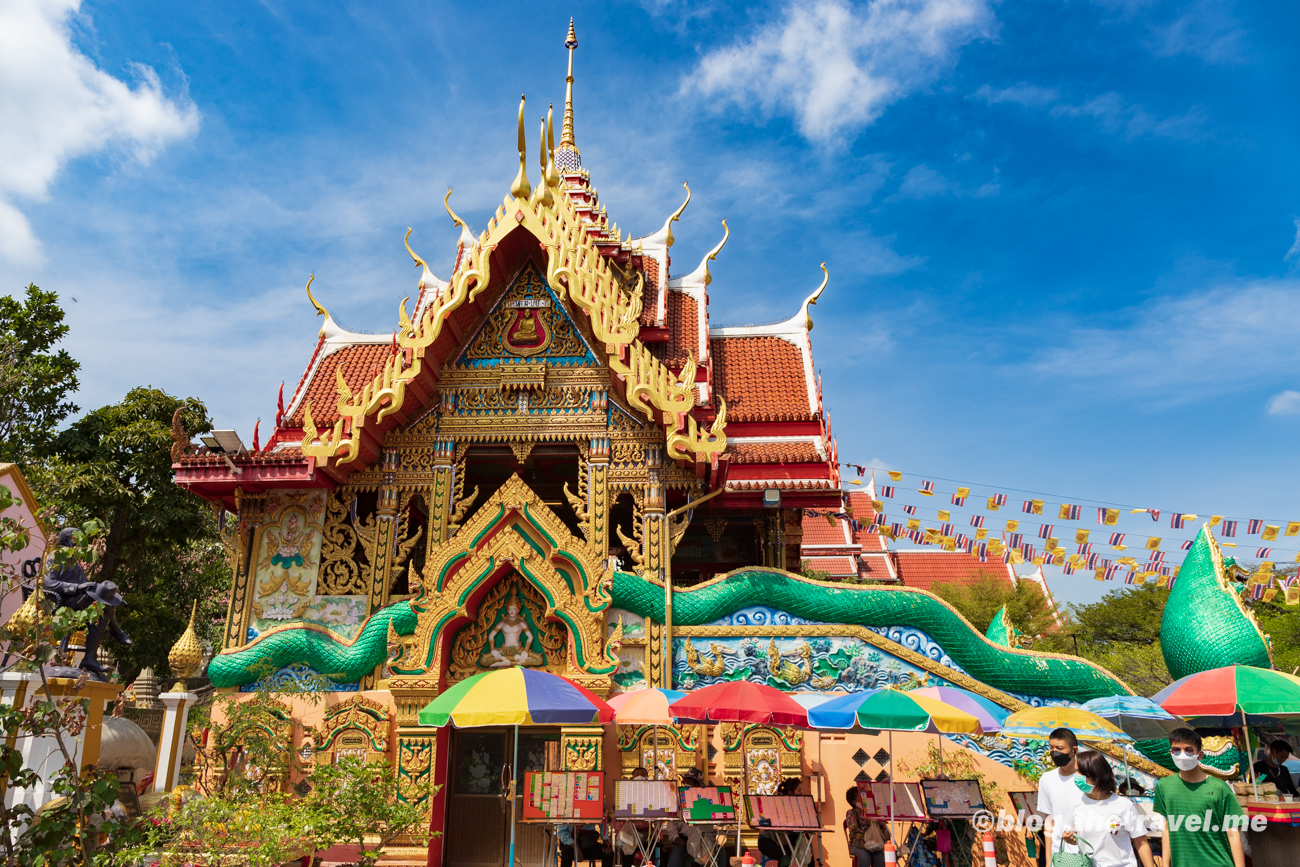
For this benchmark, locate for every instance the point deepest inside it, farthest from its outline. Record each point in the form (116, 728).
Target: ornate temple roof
(754, 384)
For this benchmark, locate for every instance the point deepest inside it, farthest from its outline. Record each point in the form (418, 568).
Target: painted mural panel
(804, 664)
(288, 555)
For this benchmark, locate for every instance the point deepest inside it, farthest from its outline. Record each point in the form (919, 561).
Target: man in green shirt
(1195, 806)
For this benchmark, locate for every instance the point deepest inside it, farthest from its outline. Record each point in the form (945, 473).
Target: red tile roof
(360, 364)
(837, 567)
(650, 291)
(816, 531)
(925, 569)
(864, 512)
(875, 567)
(683, 329)
(761, 378)
(774, 453)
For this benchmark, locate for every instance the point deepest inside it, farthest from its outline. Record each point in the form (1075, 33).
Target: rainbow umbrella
(893, 710)
(1233, 695)
(517, 697)
(646, 707)
(1038, 723)
(990, 714)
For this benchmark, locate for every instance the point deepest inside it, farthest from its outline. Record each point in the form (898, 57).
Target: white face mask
(1186, 762)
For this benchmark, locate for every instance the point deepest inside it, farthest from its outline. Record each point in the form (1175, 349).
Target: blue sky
(1062, 236)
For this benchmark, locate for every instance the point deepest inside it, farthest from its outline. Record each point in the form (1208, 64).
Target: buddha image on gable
(528, 333)
(511, 640)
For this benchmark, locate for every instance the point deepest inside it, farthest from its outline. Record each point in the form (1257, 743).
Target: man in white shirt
(1060, 790)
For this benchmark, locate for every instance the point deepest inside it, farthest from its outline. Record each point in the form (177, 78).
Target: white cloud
(1206, 30)
(1113, 113)
(1284, 403)
(1028, 95)
(923, 182)
(1294, 252)
(1186, 347)
(835, 67)
(57, 105)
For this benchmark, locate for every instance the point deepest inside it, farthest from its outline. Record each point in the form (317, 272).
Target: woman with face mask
(1110, 826)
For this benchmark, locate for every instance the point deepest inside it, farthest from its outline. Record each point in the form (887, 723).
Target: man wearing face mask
(1061, 790)
(1194, 805)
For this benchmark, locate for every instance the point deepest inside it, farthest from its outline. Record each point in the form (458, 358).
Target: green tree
(35, 379)
(1028, 609)
(161, 546)
(1121, 633)
(1279, 621)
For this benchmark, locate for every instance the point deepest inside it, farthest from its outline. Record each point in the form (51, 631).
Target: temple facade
(558, 461)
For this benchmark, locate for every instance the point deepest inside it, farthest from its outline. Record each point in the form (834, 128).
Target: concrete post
(171, 743)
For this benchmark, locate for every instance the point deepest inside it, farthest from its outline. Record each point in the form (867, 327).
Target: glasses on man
(1182, 751)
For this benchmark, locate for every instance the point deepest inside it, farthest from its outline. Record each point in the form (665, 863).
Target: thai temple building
(558, 460)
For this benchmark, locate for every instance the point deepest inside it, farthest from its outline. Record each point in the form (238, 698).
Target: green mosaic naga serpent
(1205, 626)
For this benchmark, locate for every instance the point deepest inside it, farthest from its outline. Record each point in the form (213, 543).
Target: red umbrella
(740, 701)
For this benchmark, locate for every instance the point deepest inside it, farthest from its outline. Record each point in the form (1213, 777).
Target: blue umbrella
(1139, 717)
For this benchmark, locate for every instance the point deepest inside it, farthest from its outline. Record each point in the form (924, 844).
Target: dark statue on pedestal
(68, 587)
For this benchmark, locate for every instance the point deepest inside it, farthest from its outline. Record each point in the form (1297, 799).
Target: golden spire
(812, 299)
(186, 654)
(544, 196)
(521, 188)
(566, 134)
(320, 311)
(552, 174)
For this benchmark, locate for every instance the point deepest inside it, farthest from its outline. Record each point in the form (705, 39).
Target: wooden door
(478, 814)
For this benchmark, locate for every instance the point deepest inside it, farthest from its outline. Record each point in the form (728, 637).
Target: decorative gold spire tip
(320, 311)
(521, 189)
(186, 655)
(566, 133)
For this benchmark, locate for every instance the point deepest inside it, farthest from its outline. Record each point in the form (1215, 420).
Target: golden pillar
(249, 515)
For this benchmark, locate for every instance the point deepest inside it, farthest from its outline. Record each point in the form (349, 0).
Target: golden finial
(713, 254)
(26, 620)
(552, 174)
(677, 214)
(812, 299)
(407, 242)
(566, 134)
(446, 203)
(186, 654)
(520, 189)
(320, 311)
(543, 196)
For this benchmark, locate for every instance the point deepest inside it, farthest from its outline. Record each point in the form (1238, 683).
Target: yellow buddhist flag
(895, 476)
(1081, 537)
(1038, 561)
(993, 504)
(830, 519)
(1036, 507)
(1142, 577)
(949, 544)
(1099, 574)
(1216, 520)
(1017, 557)
(963, 493)
(1074, 560)
(1292, 528)
(1228, 544)
(1162, 581)
(1153, 543)
(877, 505)
(1110, 516)
(1051, 544)
(1297, 558)
(1136, 511)
(855, 481)
(1119, 547)
(996, 546)
(1012, 525)
(1270, 594)
(1293, 595)
(1266, 569)
(1270, 532)
(945, 515)
(913, 524)
(1128, 561)
(983, 533)
(931, 535)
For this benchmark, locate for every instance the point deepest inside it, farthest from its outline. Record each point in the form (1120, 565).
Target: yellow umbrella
(1038, 723)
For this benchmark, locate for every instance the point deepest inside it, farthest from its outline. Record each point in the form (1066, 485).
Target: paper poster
(561, 795)
(702, 804)
(909, 803)
(644, 799)
(955, 798)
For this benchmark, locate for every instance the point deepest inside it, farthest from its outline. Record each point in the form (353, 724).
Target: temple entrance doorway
(478, 813)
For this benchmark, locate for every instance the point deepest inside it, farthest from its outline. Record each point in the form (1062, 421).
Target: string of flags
(1011, 546)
